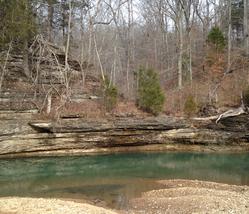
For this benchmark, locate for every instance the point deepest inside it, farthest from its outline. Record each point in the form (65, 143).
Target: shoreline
(139, 149)
(175, 196)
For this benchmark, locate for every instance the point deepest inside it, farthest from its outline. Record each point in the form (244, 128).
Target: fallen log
(231, 113)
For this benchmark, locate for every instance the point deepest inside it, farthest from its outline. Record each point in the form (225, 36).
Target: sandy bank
(47, 206)
(176, 196)
(182, 196)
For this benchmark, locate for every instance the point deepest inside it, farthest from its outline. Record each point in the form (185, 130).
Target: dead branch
(231, 113)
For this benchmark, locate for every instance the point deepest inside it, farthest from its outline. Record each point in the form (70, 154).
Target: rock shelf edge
(28, 137)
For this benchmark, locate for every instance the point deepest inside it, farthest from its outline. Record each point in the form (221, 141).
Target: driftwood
(228, 113)
(231, 113)
(206, 118)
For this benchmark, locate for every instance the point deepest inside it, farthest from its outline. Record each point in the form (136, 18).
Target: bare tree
(129, 45)
(229, 35)
(175, 12)
(189, 10)
(246, 33)
(50, 20)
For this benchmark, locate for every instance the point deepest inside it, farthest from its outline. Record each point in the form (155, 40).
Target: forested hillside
(89, 57)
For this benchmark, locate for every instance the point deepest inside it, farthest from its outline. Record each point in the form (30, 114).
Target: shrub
(110, 95)
(216, 37)
(150, 95)
(190, 106)
(246, 96)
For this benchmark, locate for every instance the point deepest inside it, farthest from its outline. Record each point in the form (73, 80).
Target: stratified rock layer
(20, 135)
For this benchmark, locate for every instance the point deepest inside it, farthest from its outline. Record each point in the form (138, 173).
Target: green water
(115, 178)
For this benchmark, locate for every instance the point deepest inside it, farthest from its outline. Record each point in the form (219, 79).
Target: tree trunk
(180, 56)
(68, 35)
(113, 77)
(128, 51)
(190, 59)
(98, 56)
(229, 35)
(82, 51)
(90, 29)
(66, 75)
(26, 59)
(49, 103)
(50, 20)
(246, 36)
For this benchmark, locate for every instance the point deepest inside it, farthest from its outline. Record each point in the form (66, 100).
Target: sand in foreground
(176, 196)
(47, 206)
(185, 196)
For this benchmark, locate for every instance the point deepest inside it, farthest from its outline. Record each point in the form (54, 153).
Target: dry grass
(128, 108)
(85, 109)
(89, 109)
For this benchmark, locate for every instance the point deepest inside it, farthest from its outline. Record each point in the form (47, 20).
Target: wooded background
(114, 38)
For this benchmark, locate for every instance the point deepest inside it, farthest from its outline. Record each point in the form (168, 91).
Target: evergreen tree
(18, 26)
(190, 106)
(150, 94)
(17, 22)
(216, 38)
(246, 96)
(110, 95)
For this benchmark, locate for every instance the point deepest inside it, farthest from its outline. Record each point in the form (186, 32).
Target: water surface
(115, 178)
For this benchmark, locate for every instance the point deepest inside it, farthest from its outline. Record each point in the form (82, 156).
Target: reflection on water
(114, 178)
